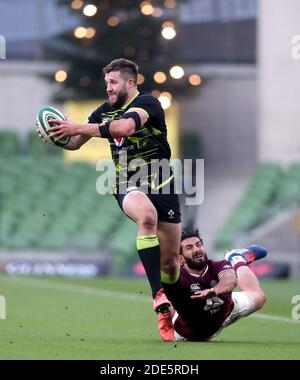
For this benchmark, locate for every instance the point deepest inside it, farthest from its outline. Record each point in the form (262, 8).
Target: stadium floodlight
(165, 101)
(195, 80)
(141, 78)
(168, 33)
(76, 4)
(80, 32)
(61, 75)
(176, 72)
(146, 8)
(90, 10)
(160, 77)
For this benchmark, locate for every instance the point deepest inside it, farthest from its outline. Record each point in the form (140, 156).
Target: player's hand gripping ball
(42, 125)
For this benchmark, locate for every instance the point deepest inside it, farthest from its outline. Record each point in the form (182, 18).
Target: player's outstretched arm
(123, 127)
(227, 282)
(126, 126)
(65, 128)
(76, 142)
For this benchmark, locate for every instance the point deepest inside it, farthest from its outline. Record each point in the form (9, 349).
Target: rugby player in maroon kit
(201, 293)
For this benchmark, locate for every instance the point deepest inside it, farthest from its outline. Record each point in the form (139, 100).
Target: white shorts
(243, 306)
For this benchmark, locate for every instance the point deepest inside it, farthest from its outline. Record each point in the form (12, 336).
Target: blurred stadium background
(242, 119)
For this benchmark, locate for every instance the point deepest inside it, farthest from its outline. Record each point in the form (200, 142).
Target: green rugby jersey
(147, 145)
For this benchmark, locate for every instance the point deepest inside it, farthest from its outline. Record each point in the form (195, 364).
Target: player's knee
(169, 265)
(260, 299)
(148, 220)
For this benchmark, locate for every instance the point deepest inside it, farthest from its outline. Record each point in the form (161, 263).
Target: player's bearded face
(194, 253)
(116, 89)
(118, 98)
(197, 261)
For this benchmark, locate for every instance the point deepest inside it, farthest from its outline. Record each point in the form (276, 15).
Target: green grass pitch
(112, 318)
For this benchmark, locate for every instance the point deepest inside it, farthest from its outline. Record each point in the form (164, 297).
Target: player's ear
(181, 260)
(130, 83)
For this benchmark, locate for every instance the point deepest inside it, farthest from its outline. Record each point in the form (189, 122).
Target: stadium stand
(49, 205)
(123, 244)
(9, 143)
(272, 189)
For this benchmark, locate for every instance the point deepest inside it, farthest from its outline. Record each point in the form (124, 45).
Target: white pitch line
(274, 318)
(37, 283)
(76, 289)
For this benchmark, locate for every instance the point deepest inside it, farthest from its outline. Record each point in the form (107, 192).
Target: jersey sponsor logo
(226, 266)
(119, 141)
(213, 305)
(195, 287)
(125, 148)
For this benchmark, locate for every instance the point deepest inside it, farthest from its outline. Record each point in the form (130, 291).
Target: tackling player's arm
(130, 121)
(227, 282)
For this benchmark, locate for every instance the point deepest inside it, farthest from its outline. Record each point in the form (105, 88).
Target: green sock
(167, 279)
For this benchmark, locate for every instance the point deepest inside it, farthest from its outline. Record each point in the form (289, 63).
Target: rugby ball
(42, 125)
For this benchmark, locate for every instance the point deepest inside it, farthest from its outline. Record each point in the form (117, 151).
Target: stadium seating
(9, 143)
(38, 149)
(272, 189)
(123, 245)
(50, 205)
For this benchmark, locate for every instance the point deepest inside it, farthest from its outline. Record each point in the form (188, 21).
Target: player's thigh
(169, 235)
(138, 206)
(243, 306)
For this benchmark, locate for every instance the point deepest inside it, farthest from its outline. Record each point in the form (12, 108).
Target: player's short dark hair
(188, 232)
(123, 65)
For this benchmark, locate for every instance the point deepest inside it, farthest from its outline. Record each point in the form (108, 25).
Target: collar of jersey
(202, 274)
(127, 104)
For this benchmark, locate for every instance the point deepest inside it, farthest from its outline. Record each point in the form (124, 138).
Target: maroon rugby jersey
(199, 319)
